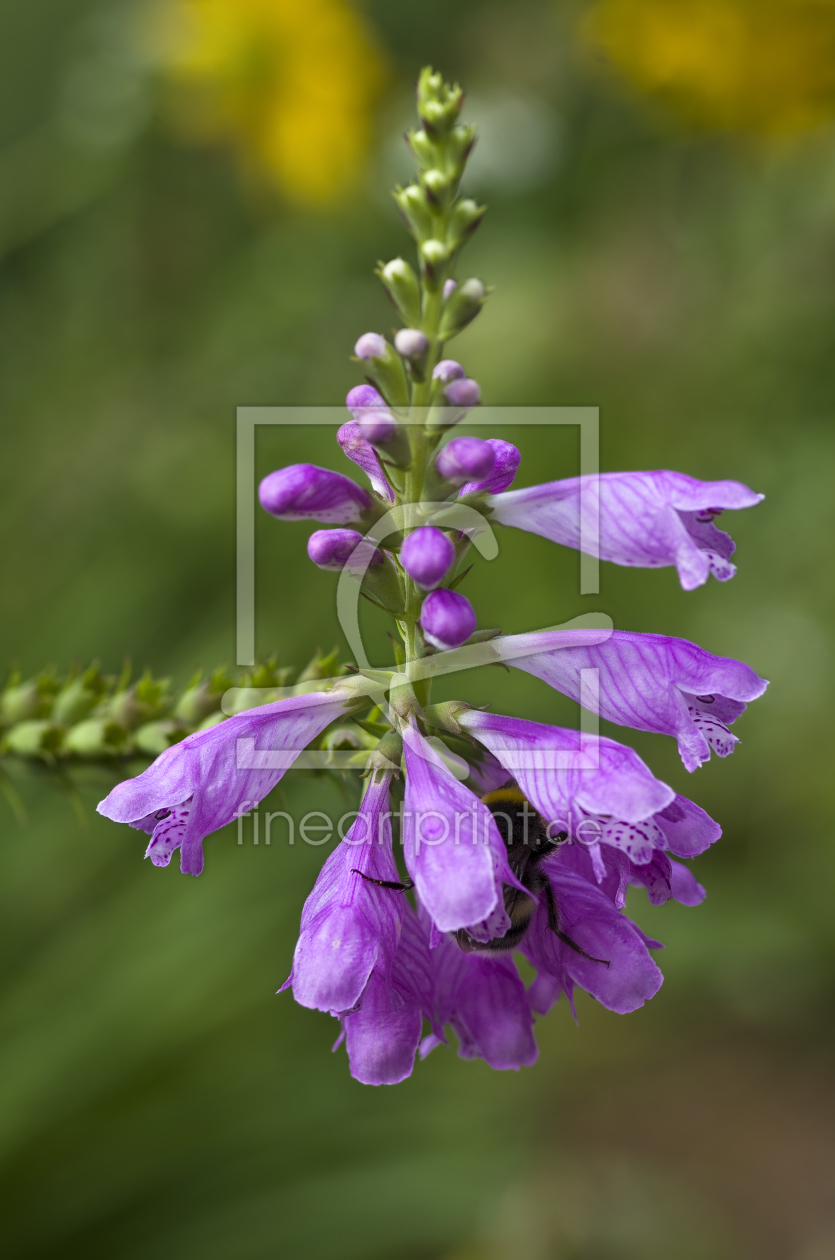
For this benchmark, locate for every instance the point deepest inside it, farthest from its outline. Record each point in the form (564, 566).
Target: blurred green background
(655, 253)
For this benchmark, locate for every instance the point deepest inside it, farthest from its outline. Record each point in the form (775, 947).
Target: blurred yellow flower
(290, 85)
(762, 66)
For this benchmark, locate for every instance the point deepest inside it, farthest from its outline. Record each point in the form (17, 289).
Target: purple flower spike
(370, 346)
(447, 619)
(427, 555)
(507, 460)
(462, 393)
(362, 453)
(453, 849)
(649, 519)
(465, 459)
(364, 398)
(411, 343)
(334, 548)
(304, 492)
(448, 370)
(348, 927)
(652, 683)
(216, 775)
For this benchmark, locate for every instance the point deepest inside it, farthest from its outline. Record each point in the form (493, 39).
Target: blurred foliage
(761, 66)
(158, 1099)
(290, 86)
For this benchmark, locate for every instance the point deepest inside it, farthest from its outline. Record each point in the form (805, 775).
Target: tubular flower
(648, 519)
(212, 777)
(651, 683)
(515, 835)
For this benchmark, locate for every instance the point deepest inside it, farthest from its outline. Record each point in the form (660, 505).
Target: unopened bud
(403, 289)
(75, 700)
(377, 428)
(436, 184)
(427, 555)
(462, 306)
(507, 460)
(34, 738)
(363, 398)
(370, 346)
(21, 702)
(447, 619)
(414, 207)
(334, 548)
(464, 219)
(448, 370)
(446, 715)
(304, 492)
(411, 343)
(465, 459)
(96, 738)
(449, 287)
(462, 393)
(156, 737)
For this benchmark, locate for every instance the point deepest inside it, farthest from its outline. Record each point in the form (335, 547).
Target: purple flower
(304, 492)
(427, 555)
(651, 519)
(334, 548)
(465, 459)
(485, 1001)
(350, 926)
(214, 776)
(593, 789)
(448, 370)
(506, 462)
(615, 966)
(453, 849)
(383, 1035)
(357, 448)
(447, 619)
(652, 683)
(371, 346)
(462, 393)
(411, 343)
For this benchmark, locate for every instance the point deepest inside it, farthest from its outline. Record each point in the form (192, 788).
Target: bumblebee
(528, 842)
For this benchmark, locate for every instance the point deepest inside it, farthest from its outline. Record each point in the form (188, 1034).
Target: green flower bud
(23, 700)
(155, 737)
(201, 698)
(438, 103)
(322, 667)
(438, 186)
(462, 306)
(77, 697)
(414, 207)
(34, 738)
(464, 219)
(434, 256)
(425, 149)
(459, 144)
(403, 288)
(96, 738)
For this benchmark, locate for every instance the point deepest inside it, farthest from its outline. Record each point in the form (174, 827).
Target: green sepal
(36, 737)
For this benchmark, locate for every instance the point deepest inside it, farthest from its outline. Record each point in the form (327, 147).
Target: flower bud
(424, 149)
(427, 555)
(96, 738)
(377, 428)
(465, 218)
(434, 256)
(363, 398)
(383, 367)
(370, 346)
(465, 459)
(449, 287)
(414, 207)
(448, 370)
(75, 700)
(462, 306)
(403, 288)
(507, 459)
(447, 619)
(462, 393)
(437, 185)
(304, 492)
(34, 738)
(411, 343)
(156, 737)
(333, 548)
(22, 701)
